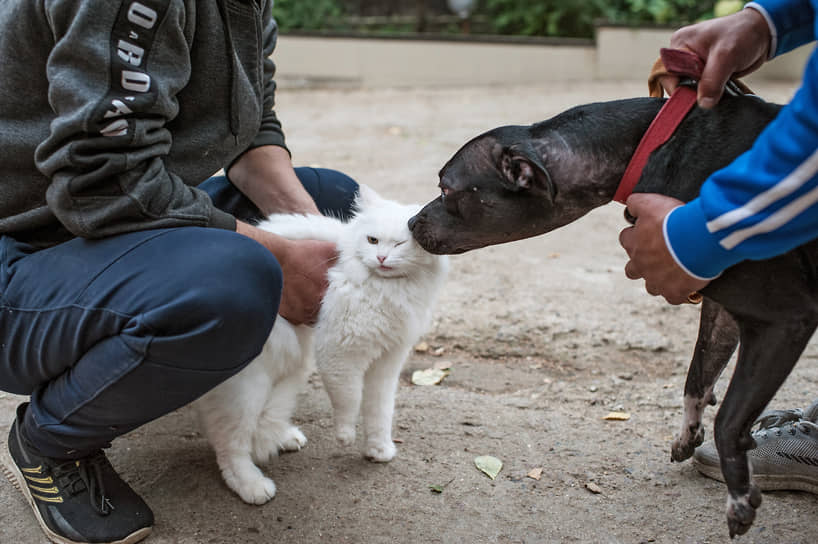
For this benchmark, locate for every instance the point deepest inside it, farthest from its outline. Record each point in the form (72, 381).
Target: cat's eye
(371, 239)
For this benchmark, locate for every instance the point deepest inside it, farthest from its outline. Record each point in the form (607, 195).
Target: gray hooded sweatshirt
(111, 112)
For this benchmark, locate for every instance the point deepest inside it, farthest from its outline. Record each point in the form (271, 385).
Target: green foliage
(307, 15)
(568, 18)
(576, 18)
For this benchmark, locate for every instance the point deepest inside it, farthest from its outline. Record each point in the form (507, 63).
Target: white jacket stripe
(803, 173)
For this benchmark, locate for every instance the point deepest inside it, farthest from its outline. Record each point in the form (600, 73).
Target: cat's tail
(303, 226)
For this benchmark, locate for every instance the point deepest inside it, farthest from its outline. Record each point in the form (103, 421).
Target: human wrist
(277, 245)
(772, 33)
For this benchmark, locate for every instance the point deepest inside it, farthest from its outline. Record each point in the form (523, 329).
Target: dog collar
(660, 130)
(678, 62)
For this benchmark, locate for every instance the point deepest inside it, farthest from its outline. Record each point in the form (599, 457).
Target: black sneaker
(78, 501)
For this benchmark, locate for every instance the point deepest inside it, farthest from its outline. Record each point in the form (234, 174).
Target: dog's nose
(412, 221)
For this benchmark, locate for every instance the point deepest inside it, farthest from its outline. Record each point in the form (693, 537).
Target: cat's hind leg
(289, 362)
(229, 414)
(380, 387)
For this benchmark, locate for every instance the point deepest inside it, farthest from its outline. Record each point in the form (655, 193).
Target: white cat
(379, 301)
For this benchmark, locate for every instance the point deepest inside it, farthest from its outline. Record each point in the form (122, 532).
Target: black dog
(520, 181)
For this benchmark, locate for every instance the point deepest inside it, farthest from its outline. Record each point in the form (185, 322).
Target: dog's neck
(588, 148)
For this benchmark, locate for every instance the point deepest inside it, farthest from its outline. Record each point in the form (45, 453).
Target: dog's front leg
(768, 352)
(718, 338)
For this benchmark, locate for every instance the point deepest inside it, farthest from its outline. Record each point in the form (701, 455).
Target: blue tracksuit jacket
(766, 201)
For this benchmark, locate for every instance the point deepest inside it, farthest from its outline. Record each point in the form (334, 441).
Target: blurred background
(564, 18)
(394, 43)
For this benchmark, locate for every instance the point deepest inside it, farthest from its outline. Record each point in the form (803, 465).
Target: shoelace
(85, 474)
(781, 420)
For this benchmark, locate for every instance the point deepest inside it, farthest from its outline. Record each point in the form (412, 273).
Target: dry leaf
(422, 347)
(617, 416)
(489, 465)
(593, 488)
(429, 376)
(438, 352)
(535, 473)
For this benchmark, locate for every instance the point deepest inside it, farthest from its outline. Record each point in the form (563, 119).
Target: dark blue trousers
(106, 335)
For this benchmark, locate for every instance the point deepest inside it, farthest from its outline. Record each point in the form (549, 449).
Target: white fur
(378, 303)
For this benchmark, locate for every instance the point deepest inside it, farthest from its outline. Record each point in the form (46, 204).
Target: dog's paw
(380, 452)
(293, 439)
(684, 446)
(741, 511)
(345, 434)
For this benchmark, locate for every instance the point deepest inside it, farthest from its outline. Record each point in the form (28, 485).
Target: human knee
(225, 303)
(244, 290)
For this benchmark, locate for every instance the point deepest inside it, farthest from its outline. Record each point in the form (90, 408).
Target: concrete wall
(617, 54)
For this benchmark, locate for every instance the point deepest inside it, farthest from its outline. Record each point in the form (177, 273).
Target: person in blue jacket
(763, 204)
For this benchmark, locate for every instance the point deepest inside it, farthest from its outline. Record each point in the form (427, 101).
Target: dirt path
(544, 337)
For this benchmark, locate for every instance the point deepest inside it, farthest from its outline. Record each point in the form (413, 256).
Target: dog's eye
(372, 240)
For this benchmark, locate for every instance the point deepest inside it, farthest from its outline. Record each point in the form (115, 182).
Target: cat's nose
(381, 259)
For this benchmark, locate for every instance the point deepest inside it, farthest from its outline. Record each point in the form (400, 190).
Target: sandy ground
(544, 337)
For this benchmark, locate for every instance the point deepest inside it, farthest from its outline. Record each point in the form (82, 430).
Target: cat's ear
(366, 197)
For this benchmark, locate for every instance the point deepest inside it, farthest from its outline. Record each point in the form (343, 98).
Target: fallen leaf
(617, 416)
(422, 347)
(438, 352)
(429, 376)
(489, 465)
(437, 488)
(535, 473)
(593, 488)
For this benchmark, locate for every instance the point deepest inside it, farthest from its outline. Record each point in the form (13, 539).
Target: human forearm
(265, 174)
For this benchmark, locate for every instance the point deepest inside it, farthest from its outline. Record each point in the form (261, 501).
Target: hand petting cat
(304, 264)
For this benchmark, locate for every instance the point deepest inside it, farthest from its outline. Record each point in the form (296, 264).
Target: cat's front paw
(345, 434)
(293, 439)
(381, 452)
(252, 490)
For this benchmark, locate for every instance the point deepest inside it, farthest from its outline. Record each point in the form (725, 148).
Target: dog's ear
(522, 168)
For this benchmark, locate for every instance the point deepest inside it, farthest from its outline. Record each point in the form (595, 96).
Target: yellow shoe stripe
(47, 480)
(35, 470)
(44, 489)
(47, 499)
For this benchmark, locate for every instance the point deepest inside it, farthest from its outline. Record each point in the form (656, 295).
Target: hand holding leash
(730, 46)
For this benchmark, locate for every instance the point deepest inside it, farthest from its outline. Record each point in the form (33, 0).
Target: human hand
(730, 46)
(648, 252)
(304, 265)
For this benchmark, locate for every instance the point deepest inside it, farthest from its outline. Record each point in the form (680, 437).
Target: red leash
(677, 62)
